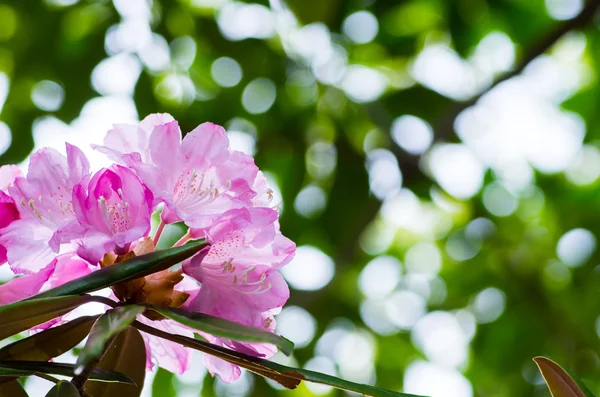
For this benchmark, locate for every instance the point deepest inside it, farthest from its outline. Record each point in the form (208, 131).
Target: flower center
(116, 211)
(194, 188)
(53, 209)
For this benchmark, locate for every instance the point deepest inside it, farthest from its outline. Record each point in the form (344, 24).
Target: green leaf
(103, 331)
(130, 269)
(225, 329)
(49, 343)
(12, 389)
(286, 376)
(63, 389)
(561, 382)
(26, 368)
(22, 315)
(127, 355)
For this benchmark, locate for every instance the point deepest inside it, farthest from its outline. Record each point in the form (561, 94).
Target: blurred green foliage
(548, 308)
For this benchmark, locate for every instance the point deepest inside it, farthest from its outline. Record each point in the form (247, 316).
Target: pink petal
(25, 286)
(168, 355)
(8, 173)
(227, 372)
(26, 243)
(207, 143)
(154, 120)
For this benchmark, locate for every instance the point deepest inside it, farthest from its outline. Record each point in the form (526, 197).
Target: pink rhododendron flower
(112, 211)
(239, 276)
(197, 178)
(43, 200)
(102, 218)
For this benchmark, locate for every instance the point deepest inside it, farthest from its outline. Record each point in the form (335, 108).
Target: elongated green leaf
(127, 355)
(22, 315)
(63, 389)
(103, 331)
(225, 329)
(286, 376)
(562, 383)
(130, 269)
(25, 368)
(12, 389)
(49, 343)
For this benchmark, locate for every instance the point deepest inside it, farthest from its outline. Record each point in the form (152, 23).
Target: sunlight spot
(380, 276)
(259, 95)
(428, 379)
(440, 336)
(310, 270)
(323, 365)
(423, 258)
(412, 134)
(456, 169)
(117, 75)
(385, 177)
(576, 247)
(5, 138)
(498, 200)
(405, 308)
(297, 325)
(226, 72)
(363, 84)
(361, 27)
(310, 201)
(489, 305)
(48, 95)
(585, 168)
(564, 9)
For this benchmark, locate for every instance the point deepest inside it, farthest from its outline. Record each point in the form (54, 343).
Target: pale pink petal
(124, 139)
(68, 267)
(165, 147)
(227, 372)
(207, 143)
(154, 120)
(79, 166)
(166, 354)
(8, 173)
(25, 286)
(26, 243)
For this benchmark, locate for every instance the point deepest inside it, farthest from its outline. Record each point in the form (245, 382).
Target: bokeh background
(437, 161)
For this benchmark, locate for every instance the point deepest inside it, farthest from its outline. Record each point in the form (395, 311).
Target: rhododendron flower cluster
(63, 220)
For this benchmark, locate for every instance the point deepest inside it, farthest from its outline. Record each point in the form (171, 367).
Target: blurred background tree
(438, 164)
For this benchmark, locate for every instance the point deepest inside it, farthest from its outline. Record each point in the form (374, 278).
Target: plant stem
(47, 377)
(106, 301)
(79, 380)
(183, 240)
(159, 230)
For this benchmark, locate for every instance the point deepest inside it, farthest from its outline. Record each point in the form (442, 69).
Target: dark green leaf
(12, 389)
(130, 269)
(63, 389)
(127, 354)
(49, 343)
(104, 330)
(225, 329)
(561, 382)
(286, 376)
(24, 368)
(22, 315)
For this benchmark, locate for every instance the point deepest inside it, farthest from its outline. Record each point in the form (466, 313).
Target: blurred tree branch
(445, 128)
(409, 164)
